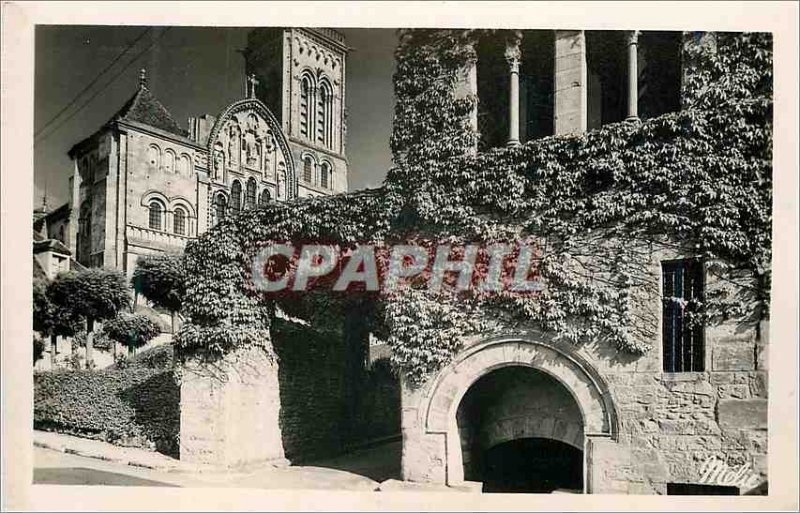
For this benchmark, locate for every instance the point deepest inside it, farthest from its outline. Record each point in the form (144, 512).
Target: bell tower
(300, 74)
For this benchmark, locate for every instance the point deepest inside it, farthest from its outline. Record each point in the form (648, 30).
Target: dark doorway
(607, 76)
(493, 87)
(532, 465)
(536, 84)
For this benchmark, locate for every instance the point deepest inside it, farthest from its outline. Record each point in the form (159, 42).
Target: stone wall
(665, 426)
(229, 411)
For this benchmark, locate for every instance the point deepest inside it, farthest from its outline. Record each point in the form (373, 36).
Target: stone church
(143, 184)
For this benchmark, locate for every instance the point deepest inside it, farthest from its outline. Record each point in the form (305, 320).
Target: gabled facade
(142, 184)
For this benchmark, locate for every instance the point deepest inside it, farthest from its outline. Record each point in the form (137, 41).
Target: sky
(192, 71)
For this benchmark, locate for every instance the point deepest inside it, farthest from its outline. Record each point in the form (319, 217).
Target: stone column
(570, 82)
(512, 55)
(633, 76)
(467, 87)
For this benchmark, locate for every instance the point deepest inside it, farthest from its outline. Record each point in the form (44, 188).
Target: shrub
(136, 407)
(159, 357)
(131, 330)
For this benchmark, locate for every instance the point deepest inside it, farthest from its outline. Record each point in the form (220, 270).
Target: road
(360, 471)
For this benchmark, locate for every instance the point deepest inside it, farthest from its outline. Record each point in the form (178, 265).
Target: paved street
(361, 471)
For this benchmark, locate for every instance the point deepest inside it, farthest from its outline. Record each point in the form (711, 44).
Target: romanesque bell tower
(301, 78)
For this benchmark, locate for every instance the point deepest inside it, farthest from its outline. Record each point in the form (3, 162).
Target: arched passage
(436, 453)
(521, 431)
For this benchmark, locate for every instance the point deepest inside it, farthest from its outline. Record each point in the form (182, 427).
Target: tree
(90, 295)
(131, 330)
(38, 349)
(52, 319)
(162, 280)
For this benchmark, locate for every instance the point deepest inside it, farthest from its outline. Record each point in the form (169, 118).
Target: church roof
(144, 108)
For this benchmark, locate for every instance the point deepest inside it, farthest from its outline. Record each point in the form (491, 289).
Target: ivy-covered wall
(605, 207)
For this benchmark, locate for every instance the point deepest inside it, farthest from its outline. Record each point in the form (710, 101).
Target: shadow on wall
(329, 401)
(157, 410)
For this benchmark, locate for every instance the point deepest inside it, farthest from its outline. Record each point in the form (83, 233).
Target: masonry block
(742, 413)
(733, 357)
(229, 411)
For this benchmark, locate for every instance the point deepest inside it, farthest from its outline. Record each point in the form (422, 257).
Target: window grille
(682, 330)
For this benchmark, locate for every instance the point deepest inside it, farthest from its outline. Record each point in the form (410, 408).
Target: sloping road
(54, 467)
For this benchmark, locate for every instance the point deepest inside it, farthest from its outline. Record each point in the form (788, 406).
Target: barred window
(156, 214)
(236, 195)
(179, 221)
(682, 330)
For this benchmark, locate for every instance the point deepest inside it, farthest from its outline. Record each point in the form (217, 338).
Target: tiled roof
(144, 108)
(50, 245)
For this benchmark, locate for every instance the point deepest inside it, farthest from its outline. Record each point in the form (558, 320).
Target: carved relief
(218, 165)
(248, 141)
(280, 190)
(234, 144)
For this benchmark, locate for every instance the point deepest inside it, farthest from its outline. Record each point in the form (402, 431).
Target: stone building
(144, 184)
(516, 409)
(523, 412)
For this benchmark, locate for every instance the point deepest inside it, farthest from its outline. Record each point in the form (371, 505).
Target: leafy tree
(162, 280)
(90, 295)
(38, 349)
(131, 330)
(52, 319)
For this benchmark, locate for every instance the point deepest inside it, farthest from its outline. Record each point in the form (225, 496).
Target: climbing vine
(605, 207)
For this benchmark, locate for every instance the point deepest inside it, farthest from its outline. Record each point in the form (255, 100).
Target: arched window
(220, 206)
(156, 214)
(185, 166)
(325, 114)
(308, 169)
(305, 104)
(264, 199)
(236, 195)
(250, 193)
(179, 221)
(169, 161)
(325, 175)
(153, 157)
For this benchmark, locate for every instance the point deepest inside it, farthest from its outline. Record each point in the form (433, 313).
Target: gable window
(236, 195)
(179, 221)
(156, 214)
(250, 193)
(682, 329)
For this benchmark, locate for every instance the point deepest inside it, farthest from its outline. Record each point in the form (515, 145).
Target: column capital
(633, 37)
(513, 54)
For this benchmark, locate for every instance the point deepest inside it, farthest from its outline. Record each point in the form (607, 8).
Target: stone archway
(521, 431)
(432, 447)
